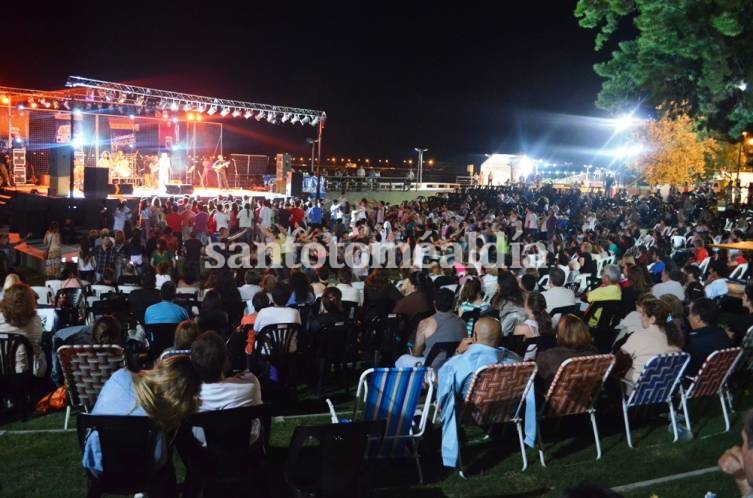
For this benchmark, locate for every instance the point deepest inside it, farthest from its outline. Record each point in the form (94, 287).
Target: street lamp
(740, 154)
(313, 142)
(420, 163)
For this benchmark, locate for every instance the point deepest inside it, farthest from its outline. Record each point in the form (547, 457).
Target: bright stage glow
(627, 151)
(225, 111)
(248, 114)
(77, 112)
(5, 100)
(260, 116)
(295, 119)
(187, 107)
(212, 110)
(77, 142)
(525, 166)
(625, 122)
(174, 106)
(236, 113)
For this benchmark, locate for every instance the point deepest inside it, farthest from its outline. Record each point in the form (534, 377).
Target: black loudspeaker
(294, 187)
(95, 183)
(173, 189)
(124, 188)
(60, 171)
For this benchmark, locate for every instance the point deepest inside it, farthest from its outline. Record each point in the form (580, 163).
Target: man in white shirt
(557, 296)
(670, 284)
(717, 286)
(265, 215)
(531, 226)
(221, 218)
(279, 313)
(251, 286)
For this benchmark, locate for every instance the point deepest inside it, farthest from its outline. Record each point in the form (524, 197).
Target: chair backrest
(53, 285)
(448, 348)
(739, 272)
(543, 283)
(127, 444)
(496, 392)
(659, 379)
(86, 368)
(392, 395)
(169, 353)
(704, 265)
(334, 341)
(9, 345)
(678, 241)
(276, 338)
(160, 336)
(564, 310)
(227, 434)
(44, 294)
(350, 309)
(337, 459)
(611, 312)
(98, 289)
(714, 372)
(747, 345)
(513, 343)
(127, 289)
(576, 385)
(388, 332)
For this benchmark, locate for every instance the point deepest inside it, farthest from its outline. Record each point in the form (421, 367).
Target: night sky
(464, 80)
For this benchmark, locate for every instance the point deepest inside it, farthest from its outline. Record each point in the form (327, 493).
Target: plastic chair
(331, 350)
(15, 385)
(85, 369)
(335, 467)
(496, 394)
(385, 338)
(274, 347)
(229, 465)
(44, 294)
(447, 348)
(392, 394)
(127, 444)
(543, 283)
(160, 336)
(98, 289)
(711, 379)
(739, 272)
(656, 384)
(53, 285)
(574, 391)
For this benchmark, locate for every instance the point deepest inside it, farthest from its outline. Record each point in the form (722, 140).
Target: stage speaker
(95, 183)
(60, 186)
(174, 189)
(294, 188)
(124, 188)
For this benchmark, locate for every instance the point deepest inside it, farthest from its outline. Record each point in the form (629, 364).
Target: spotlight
(212, 110)
(162, 105)
(260, 116)
(139, 100)
(271, 117)
(21, 107)
(165, 115)
(174, 106)
(286, 117)
(225, 111)
(199, 117)
(77, 112)
(248, 113)
(295, 119)
(236, 113)
(190, 116)
(5, 100)
(315, 121)
(122, 98)
(187, 107)
(131, 117)
(200, 108)
(55, 104)
(305, 120)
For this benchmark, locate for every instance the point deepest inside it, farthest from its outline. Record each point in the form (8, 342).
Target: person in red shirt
(173, 220)
(296, 213)
(700, 253)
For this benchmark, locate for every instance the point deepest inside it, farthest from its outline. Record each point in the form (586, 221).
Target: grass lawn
(48, 463)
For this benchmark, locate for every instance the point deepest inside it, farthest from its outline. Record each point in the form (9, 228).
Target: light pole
(740, 154)
(420, 163)
(313, 142)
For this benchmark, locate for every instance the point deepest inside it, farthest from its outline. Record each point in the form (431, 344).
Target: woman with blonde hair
(573, 340)
(11, 279)
(167, 394)
(18, 315)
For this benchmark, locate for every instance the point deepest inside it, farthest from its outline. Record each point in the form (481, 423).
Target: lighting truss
(139, 96)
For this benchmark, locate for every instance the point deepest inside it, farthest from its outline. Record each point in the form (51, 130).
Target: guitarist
(220, 168)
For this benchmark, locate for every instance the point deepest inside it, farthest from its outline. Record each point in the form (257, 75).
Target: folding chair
(447, 348)
(392, 394)
(574, 391)
(127, 444)
(496, 394)
(85, 369)
(739, 272)
(656, 384)
(711, 379)
(543, 283)
(15, 385)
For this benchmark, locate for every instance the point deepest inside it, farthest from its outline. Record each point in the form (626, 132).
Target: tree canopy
(696, 51)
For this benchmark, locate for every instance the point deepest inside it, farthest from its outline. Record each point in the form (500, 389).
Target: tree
(698, 51)
(672, 150)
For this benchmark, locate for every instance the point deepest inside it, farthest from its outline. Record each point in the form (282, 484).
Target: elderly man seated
(609, 290)
(455, 375)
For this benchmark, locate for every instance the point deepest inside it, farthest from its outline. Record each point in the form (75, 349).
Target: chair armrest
(627, 382)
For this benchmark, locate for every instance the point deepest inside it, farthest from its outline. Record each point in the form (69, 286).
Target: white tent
(504, 168)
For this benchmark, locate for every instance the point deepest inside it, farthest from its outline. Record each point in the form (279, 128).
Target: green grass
(48, 464)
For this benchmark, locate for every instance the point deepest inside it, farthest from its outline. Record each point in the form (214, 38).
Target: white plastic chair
(739, 271)
(54, 286)
(44, 294)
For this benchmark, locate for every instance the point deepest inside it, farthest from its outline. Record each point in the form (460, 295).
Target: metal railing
(386, 184)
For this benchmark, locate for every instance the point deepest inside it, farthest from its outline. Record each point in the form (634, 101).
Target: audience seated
(279, 313)
(165, 311)
(18, 315)
(705, 335)
(329, 311)
(609, 290)
(573, 340)
(251, 285)
(419, 294)
(556, 295)
(140, 299)
(670, 283)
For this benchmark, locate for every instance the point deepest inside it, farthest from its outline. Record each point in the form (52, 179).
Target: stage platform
(141, 192)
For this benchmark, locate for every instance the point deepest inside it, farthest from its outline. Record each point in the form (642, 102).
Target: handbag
(53, 401)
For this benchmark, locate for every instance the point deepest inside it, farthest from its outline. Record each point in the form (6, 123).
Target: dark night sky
(469, 79)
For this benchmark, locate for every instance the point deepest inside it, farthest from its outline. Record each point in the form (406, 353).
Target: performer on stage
(220, 167)
(206, 167)
(104, 160)
(163, 172)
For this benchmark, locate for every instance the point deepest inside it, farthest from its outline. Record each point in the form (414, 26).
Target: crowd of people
(653, 255)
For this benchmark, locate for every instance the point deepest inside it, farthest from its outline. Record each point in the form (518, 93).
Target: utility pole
(420, 163)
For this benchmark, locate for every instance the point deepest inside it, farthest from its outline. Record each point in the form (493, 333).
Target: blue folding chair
(392, 395)
(656, 384)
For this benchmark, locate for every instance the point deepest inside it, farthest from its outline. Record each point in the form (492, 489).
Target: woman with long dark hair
(302, 291)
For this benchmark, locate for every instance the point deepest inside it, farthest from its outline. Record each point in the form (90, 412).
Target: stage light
(271, 117)
(286, 117)
(165, 115)
(187, 107)
(131, 117)
(122, 98)
(236, 113)
(305, 120)
(5, 100)
(200, 108)
(190, 116)
(139, 100)
(199, 117)
(315, 121)
(45, 103)
(212, 110)
(77, 111)
(55, 104)
(225, 111)
(248, 114)
(295, 119)
(260, 116)
(174, 106)
(175, 120)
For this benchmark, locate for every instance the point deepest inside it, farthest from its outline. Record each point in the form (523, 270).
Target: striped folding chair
(656, 384)
(574, 391)
(392, 394)
(85, 369)
(496, 394)
(169, 353)
(711, 379)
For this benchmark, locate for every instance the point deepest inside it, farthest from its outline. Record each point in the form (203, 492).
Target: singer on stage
(220, 167)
